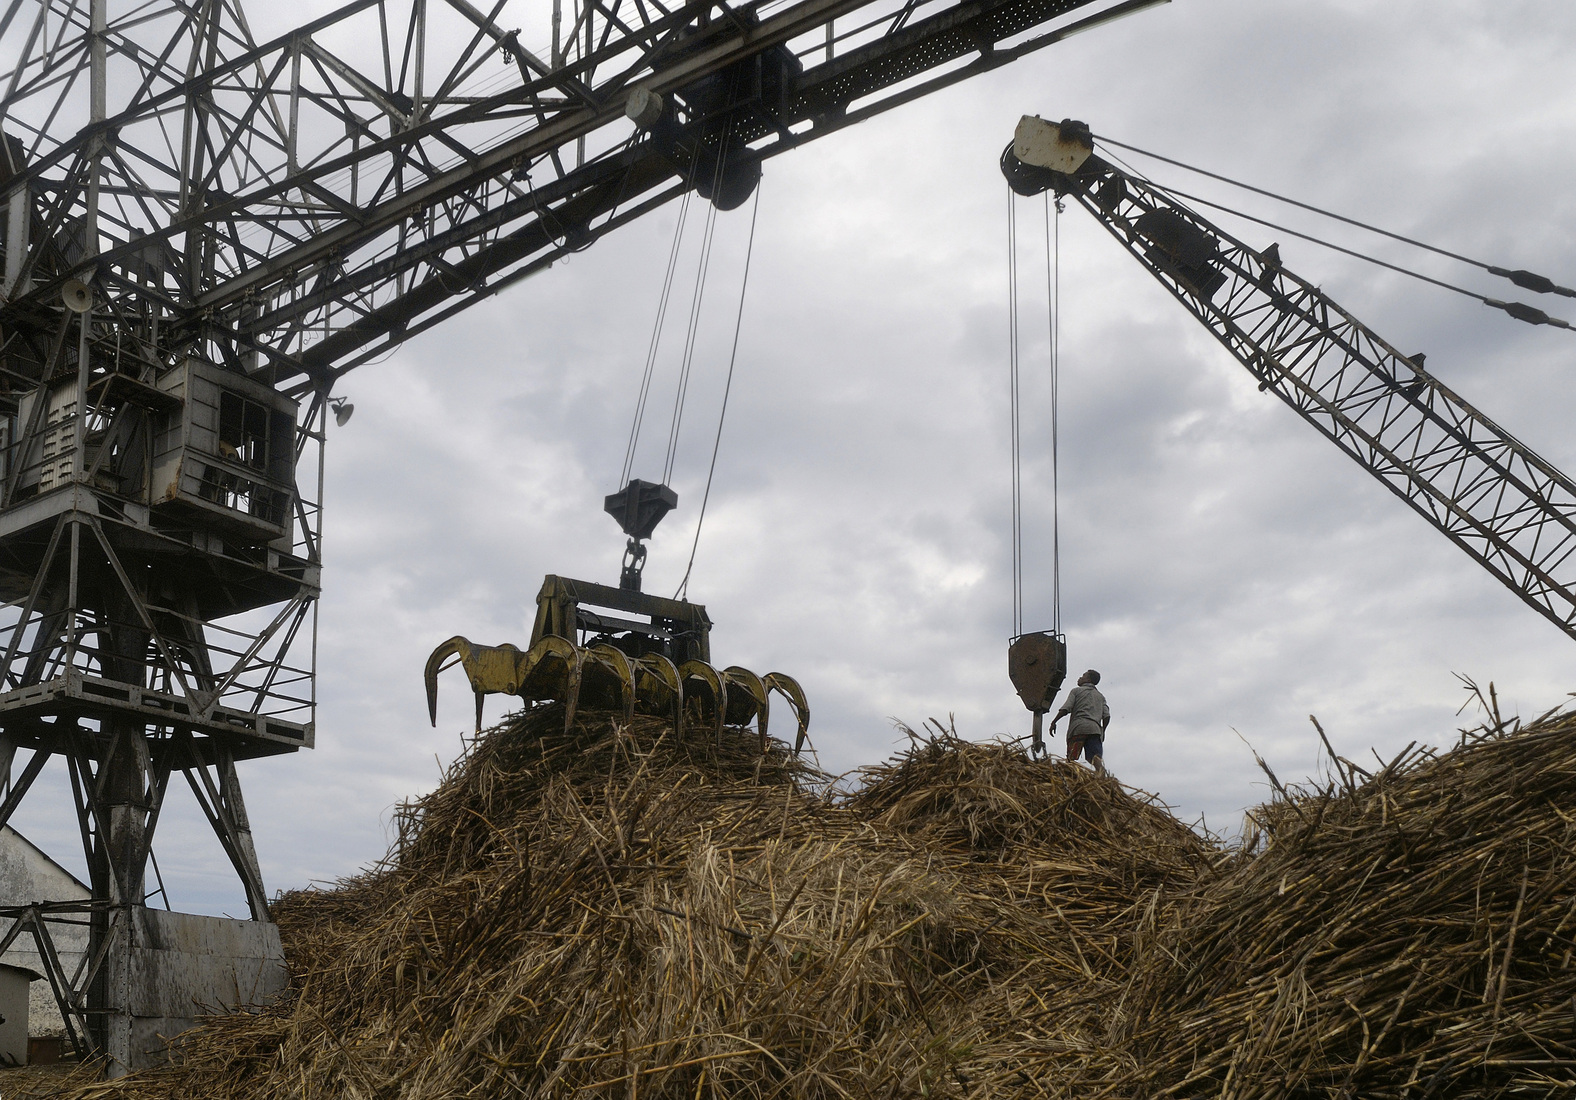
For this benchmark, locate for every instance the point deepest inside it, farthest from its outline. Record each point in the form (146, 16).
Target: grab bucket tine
(669, 672)
(757, 702)
(666, 673)
(615, 659)
(716, 686)
(628, 675)
(576, 671)
(789, 689)
(455, 646)
(551, 670)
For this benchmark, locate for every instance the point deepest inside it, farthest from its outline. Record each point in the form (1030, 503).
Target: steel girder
(294, 207)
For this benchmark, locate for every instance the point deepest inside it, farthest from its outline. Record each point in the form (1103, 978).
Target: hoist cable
(681, 395)
(1015, 401)
(656, 337)
(1527, 280)
(727, 388)
(1519, 310)
(1053, 320)
(658, 324)
(1012, 390)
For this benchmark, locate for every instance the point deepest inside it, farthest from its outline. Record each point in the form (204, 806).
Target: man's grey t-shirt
(1087, 712)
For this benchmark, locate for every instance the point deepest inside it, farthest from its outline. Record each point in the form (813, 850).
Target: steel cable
(727, 389)
(662, 311)
(1527, 280)
(1013, 403)
(1053, 320)
(681, 395)
(656, 337)
(1519, 310)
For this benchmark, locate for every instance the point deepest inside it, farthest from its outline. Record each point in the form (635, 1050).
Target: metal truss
(1489, 493)
(160, 591)
(100, 981)
(153, 571)
(296, 207)
(69, 987)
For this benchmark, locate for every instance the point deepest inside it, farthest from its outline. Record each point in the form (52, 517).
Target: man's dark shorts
(1092, 747)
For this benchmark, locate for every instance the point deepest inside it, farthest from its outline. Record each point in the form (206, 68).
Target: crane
(203, 230)
(1485, 490)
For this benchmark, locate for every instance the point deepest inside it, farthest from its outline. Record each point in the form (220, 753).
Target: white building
(28, 875)
(14, 993)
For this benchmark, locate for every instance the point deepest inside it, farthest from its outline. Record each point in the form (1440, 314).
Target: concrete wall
(185, 966)
(28, 875)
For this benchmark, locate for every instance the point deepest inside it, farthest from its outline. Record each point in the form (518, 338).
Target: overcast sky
(1227, 570)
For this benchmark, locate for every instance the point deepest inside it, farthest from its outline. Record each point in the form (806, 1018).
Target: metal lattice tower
(203, 228)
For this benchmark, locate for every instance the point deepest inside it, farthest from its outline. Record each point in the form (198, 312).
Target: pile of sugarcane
(1406, 932)
(620, 910)
(616, 910)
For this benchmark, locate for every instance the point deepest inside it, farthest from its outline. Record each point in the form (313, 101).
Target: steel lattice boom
(1488, 492)
(295, 207)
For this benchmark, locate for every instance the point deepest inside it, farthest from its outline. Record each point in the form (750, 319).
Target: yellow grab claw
(707, 690)
(746, 699)
(489, 668)
(551, 669)
(614, 676)
(556, 669)
(789, 689)
(455, 646)
(548, 670)
(658, 687)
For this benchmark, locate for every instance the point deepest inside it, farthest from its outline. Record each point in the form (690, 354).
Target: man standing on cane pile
(1089, 718)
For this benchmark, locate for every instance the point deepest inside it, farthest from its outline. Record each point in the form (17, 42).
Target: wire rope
(1014, 411)
(681, 393)
(656, 337)
(1053, 227)
(662, 311)
(727, 389)
(1519, 310)
(1053, 320)
(1526, 279)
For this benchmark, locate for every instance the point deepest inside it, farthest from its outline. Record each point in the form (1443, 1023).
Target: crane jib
(1486, 491)
(339, 207)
